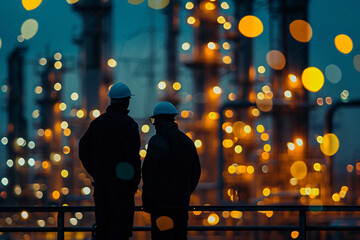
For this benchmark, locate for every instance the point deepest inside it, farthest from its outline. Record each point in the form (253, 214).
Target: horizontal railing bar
(191, 228)
(191, 208)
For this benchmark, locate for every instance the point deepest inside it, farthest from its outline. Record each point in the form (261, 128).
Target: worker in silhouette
(109, 151)
(170, 172)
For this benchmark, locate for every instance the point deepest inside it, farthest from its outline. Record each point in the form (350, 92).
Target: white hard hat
(164, 108)
(119, 90)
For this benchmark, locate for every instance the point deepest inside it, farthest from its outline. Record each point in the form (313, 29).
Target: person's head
(120, 94)
(164, 113)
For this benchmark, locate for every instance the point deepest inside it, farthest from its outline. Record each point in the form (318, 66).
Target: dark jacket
(171, 170)
(109, 150)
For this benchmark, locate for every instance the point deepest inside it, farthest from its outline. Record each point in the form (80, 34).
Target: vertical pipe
(60, 225)
(302, 224)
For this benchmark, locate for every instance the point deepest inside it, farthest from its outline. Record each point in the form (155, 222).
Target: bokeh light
(276, 59)
(330, 144)
(29, 28)
(343, 43)
(300, 30)
(164, 223)
(250, 26)
(298, 170)
(31, 4)
(356, 62)
(124, 171)
(333, 73)
(158, 4)
(312, 79)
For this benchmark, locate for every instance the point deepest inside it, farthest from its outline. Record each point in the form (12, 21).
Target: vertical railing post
(302, 224)
(60, 225)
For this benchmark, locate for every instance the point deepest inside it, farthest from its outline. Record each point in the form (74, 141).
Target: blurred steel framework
(17, 124)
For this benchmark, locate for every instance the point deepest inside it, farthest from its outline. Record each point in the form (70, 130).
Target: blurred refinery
(251, 124)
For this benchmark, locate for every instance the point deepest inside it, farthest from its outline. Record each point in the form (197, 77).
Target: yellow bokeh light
(232, 169)
(75, 1)
(185, 46)
(42, 61)
(135, 2)
(250, 169)
(226, 45)
(74, 96)
(261, 69)
(210, 6)
(298, 170)
(266, 192)
(301, 30)
(227, 25)
(158, 4)
(67, 132)
(80, 113)
(143, 153)
(228, 143)
(276, 59)
(66, 149)
(264, 137)
(236, 214)
(291, 146)
(184, 114)
(189, 5)
(58, 65)
(343, 43)
(226, 59)
(29, 28)
(57, 86)
(317, 167)
(294, 234)
(238, 149)
(57, 56)
(191, 20)
(177, 86)
(221, 20)
(213, 115)
(267, 147)
(255, 112)
(247, 129)
(250, 26)
(198, 143)
(224, 5)
(56, 195)
(213, 219)
(232, 96)
(31, 4)
(330, 144)
(312, 79)
(319, 139)
(260, 128)
(145, 128)
(336, 197)
(64, 173)
(112, 62)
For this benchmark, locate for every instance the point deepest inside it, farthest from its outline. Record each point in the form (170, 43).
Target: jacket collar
(167, 127)
(117, 108)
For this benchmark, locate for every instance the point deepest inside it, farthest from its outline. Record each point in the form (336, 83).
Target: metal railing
(301, 227)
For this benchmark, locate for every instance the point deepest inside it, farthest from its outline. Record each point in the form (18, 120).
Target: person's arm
(196, 171)
(131, 152)
(85, 153)
(156, 150)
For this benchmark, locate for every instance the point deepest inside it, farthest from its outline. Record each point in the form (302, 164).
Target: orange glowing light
(264, 137)
(226, 59)
(45, 165)
(250, 26)
(265, 155)
(330, 144)
(48, 133)
(221, 20)
(276, 59)
(191, 20)
(301, 30)
(66, 149)
(67, 132)
(229, 113)
(343, 43)
(298, 170)
(56, 195)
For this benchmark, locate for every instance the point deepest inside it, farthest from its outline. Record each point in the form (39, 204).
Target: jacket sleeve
(196, 171)
(85, 147)
(131, 152)
(157, 149)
